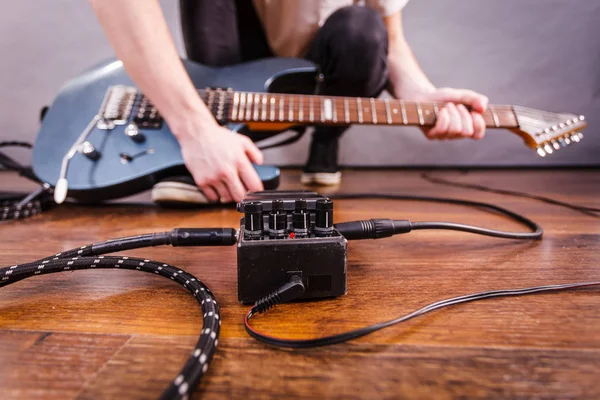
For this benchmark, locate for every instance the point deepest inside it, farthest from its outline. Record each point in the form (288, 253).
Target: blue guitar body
(159, 155)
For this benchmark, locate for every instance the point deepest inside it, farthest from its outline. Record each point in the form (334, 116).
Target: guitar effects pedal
(287, 233)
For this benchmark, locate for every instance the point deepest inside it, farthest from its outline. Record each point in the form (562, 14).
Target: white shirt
(291, 25)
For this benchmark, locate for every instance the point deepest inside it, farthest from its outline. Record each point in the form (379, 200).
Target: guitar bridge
(116, 107)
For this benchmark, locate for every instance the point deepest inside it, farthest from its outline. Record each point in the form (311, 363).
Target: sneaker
(322, 168)
(178, 191)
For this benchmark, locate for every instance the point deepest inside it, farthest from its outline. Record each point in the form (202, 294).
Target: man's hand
(219, 160)
(409, 82)
(454, 120)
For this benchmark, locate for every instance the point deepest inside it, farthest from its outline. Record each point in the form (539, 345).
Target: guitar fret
(420, 112)
(263, 115)
(272, 113)
(311, 116)
(242, 105)
(403, 109)
(495, 117)
(301, 109)
(388, 113)
(436, 112)
(256, 106)
(234, 111)
(249, 106)
(346, 111)
(373, 111)
(281, 108)
(328, 109)
(359, 110)
(334, 110)
(291, 109)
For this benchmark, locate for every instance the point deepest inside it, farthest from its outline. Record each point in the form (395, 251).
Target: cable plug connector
(372, 228)
(292, 290)
(202, 237)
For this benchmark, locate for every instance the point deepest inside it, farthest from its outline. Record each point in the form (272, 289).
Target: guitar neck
(329, 110)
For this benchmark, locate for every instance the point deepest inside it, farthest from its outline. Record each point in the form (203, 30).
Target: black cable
(536, 234)
(15, 206)
(590, 211)
(354, 334)
(16, 143)
(370, 229)
(92, 256)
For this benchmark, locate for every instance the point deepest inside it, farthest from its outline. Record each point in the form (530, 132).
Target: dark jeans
(350, 50)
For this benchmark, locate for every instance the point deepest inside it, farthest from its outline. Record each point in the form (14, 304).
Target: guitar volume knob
(133, 132)
(88, 150)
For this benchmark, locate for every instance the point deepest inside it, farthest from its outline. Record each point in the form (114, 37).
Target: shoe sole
(177, 193)
(321, 178)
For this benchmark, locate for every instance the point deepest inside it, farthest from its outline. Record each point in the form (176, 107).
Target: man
(360, 49)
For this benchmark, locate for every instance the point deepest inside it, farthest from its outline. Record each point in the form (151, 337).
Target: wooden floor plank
(54, 365)
(106, 334)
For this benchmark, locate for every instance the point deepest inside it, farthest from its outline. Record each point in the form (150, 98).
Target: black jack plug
(373, 228)
(292, 290)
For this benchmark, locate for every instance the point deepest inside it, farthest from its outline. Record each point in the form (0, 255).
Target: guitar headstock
(548, 132)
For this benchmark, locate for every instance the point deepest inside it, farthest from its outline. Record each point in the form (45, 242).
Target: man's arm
(410, 82)
(219, 159)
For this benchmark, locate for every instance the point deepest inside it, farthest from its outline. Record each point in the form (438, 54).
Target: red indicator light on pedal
(292, 235)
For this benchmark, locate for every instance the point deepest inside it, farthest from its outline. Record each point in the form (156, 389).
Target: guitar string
(411, 104)
(517, 111)
(352, 103)
(499, 107)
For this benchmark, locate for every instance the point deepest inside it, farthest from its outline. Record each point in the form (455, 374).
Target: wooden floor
(122, 334)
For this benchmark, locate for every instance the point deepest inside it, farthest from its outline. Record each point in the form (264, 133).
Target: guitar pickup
(146, 115)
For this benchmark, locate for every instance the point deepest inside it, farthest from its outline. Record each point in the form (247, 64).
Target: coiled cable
(92, 257)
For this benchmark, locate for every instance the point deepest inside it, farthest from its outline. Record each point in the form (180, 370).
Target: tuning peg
(580, 135)
(548, 149)
(555, 145)
(575, 138)
(563, 142)
(541, 152)
(581, 118)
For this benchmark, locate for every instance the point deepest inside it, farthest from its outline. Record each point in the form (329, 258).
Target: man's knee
(353, 49)
(359, 27)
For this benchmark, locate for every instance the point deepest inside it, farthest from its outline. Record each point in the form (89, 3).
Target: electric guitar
(102, 139)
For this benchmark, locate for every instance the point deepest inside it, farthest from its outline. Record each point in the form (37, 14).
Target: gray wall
(539, 53)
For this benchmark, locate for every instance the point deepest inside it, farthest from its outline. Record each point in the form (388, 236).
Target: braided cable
(90, 257)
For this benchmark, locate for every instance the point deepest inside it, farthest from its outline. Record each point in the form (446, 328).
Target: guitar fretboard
(329, 110)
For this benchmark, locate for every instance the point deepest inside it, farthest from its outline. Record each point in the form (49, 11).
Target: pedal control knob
(300, 219)
(253, 220)
(324, 217)
(277, 220)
